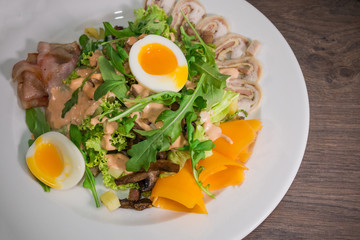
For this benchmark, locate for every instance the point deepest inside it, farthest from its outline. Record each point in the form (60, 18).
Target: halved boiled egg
(55, 161)
(158, 64)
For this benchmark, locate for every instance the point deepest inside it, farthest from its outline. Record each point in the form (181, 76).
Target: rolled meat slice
(213, 27)
(248, 68)
(192, 9)
(231, 46)
(250, 94)
(167, 5)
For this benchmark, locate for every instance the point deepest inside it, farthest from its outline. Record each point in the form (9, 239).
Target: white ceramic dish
(26, 212)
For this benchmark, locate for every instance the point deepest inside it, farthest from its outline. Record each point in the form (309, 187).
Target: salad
(157, 108)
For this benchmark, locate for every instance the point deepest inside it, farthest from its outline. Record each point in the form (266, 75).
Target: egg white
(74, 164)
(156, 83)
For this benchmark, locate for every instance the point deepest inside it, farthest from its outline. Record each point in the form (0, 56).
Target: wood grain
(324, 200)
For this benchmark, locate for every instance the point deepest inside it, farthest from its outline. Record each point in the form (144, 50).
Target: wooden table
(324, 200)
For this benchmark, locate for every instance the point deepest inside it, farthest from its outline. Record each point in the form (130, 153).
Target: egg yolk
(157, 59)
(48, 160)
(46, 164)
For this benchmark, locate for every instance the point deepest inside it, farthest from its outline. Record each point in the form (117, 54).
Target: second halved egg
(158, 64)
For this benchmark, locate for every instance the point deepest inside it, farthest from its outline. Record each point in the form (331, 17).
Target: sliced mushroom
(192, 9)
(134, 194)
(164, 165)
(167, 5)
(250, 94)
(149, 182)
(146, 180)
(230, 46)
(249, 68)
(137, 205)
(132, 178)
(213, 27)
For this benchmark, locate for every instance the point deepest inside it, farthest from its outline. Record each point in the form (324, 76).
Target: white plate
(26, 212)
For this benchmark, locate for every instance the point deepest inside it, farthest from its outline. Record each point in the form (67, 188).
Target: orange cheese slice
(179, 192)
(220, 171)
(242, 134)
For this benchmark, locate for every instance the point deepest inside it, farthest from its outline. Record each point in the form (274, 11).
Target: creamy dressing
(93, 60)
(110, 127)
(139, 90)
(212, 131)
(58, 97)
(179, 142)
(117, 161)
(152, 111)
(106, 143)
(146, 118)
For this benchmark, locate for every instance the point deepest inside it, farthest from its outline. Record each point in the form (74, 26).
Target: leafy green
(88, 47)
(215, 83)
(109, 30)
(165, 98)
(117, 58)
(89, 181)
(112, 81)
(197, 151)
(178, 157)
(73, 75)
(120, 137)
(153, 20)
(36, 122)
(75, 135)
(158, 140)
(221, 109)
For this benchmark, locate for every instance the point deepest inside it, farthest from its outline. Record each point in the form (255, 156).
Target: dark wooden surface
(324, 200)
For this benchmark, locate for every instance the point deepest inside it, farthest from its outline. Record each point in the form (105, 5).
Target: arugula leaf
(89, 181)
(116, 59)
(115, 86)
(215, 83)
(75, 135)
(144, 152)
(107, 70)
(112, 81)
(208, 52)
(166, 98)
(36, 121)
(70, 103)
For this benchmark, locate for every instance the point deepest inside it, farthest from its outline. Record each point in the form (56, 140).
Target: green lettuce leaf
(221, 109)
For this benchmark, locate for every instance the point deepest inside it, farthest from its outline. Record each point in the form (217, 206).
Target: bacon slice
(57, 61)
(41, 71)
